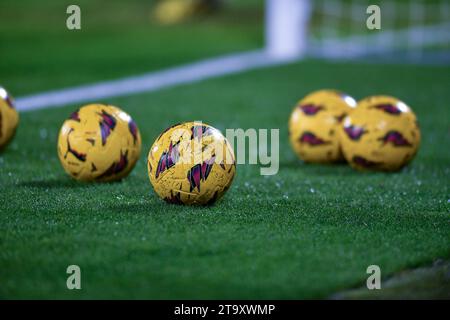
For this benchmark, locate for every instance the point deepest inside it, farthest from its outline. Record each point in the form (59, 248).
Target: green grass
(308, 232)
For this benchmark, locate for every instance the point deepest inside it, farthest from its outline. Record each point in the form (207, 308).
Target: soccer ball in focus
(99, 143)
(191, 163)
(314, 124)
(9, 118)
(382, 133)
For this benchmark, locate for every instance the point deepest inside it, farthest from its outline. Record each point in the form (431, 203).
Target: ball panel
(314, 124)
(380, 134)
(191, 164)
(97, 144)
(9, 118)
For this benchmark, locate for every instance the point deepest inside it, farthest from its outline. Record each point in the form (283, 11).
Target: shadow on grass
(148, 207)
(332, 169)
(159, 206)
(62, 183)
(51, 184)
(336, 169)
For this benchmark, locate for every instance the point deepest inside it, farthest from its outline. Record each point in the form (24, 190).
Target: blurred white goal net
(337, 29)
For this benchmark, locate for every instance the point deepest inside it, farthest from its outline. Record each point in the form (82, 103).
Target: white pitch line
(152, 81)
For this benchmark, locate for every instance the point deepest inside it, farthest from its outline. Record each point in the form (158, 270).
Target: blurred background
(120, 38)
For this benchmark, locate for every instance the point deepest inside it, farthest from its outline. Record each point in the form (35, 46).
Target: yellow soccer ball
(382, 133)
(314, 124)
(99, 143)
(9, 118)
(173, 11)
(191, 163)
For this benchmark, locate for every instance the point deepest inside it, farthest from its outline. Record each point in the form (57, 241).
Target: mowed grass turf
(308, 232)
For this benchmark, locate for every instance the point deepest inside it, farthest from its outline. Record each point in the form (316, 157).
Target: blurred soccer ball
(169, 12)
(173, 11)
(314, 124)
(99, 143)
(382, 133)
(9, 118)
(191, 163)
